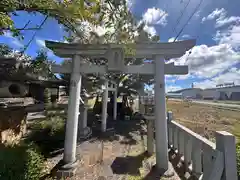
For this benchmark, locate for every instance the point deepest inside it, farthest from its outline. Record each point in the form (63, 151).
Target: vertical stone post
(70, 142)
(150, 135)
(104, 107)
(115, 103)
(85, 114)
(225, 142)
(169, 116)
(169, 119)
(160, 115)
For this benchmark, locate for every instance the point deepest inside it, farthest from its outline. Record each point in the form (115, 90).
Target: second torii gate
(115, 55)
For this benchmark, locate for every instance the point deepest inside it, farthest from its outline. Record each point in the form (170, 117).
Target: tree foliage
(22, 65)
(111, 15)
(127, 84)
(40, 65)
(66, 12)
(14, 62)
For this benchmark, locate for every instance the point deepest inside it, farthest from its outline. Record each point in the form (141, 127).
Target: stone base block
(169, 172)
(65, 173)
(84, 133)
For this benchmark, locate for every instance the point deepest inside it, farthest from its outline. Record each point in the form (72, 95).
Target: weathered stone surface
(12, 124)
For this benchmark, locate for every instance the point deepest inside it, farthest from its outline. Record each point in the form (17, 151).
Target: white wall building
(223, 93)
(193, 93)
(210, 94)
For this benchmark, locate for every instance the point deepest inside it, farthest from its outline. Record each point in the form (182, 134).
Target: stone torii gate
(106, 89)
(115, 55)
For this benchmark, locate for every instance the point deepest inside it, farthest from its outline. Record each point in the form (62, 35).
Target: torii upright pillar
(160, 114)
(115, 103)
(70, 142)
(104, 107)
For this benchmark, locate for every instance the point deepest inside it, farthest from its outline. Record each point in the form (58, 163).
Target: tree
(40, 66)
(12, 62)
(118, 25)
(66, 12)
(132, 33)
(17, 65)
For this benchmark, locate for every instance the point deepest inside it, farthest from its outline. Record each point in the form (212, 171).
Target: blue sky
(215, 59)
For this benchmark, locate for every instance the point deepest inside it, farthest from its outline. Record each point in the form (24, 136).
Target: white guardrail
(204, 159)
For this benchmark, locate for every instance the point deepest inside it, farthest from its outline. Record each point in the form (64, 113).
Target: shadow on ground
(117, 128)
(179, 167)
(48, 133)
(128, 165)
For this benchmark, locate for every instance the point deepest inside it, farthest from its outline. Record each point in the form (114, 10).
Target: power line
(181, 15)
(35, 33)
(195, 10)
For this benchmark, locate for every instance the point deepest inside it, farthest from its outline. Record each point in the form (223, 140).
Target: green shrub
(20, 162)
(48, 134)
(238, 158)
(51, 123)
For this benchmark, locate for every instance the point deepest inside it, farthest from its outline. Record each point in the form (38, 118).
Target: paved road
(237, 106)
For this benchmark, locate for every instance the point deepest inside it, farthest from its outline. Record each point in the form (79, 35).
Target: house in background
(192, 93)
(16, 84)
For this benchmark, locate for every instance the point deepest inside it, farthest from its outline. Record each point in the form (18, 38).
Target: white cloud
(220, 15)
(17, 43)
(8, 34)
(230, 36)
(183, 77)
(206, 62)
(41, 43)
(13, 40)
(172, 88)
(171, 39)
(130, 3)
(186, 36)
(216, 64)
(150, 30)
(155, 16)
(217, 13)
(233, 75)
(205, 84)
(197, 14)
(227, 20)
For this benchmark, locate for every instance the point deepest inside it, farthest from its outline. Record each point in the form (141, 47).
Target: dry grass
(205, 120)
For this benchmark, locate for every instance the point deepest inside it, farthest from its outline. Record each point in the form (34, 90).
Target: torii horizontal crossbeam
(141, 50)
(133, 69)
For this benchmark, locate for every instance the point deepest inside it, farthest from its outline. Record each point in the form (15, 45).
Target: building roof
(238, 86)
(182, 90)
